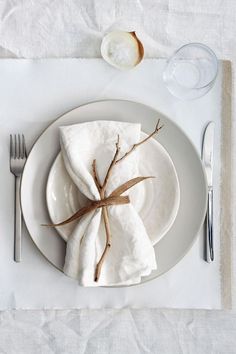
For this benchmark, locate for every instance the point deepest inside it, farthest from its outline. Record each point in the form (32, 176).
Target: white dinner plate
(192, 182)
(157, 201)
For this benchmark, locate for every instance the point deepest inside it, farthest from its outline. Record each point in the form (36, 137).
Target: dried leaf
(127, 185)
(112, 200)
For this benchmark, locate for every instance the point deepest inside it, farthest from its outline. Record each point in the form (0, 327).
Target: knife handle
(209, 230)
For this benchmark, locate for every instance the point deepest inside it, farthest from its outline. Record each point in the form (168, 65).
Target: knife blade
(207, 159)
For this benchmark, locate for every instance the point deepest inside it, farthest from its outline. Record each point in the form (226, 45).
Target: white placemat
(33, 93)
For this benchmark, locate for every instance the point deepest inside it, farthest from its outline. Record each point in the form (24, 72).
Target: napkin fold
(131, 254)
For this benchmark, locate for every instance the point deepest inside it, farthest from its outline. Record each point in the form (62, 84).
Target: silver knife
(207, 159)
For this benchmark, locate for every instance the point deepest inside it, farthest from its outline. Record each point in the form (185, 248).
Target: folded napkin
(131, 254)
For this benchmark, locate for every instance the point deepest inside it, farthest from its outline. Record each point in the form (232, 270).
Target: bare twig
(95, 175)
(100, 263)
(118, 191)
(157, 128)
(101, 189)
(107, 246)
(112, 164)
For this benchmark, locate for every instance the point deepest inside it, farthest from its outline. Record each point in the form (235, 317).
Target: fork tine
(19, 147)
(15, 147)
(11, 146)
(24, 146)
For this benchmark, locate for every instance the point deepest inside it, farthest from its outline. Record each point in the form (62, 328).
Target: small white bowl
(123, 50)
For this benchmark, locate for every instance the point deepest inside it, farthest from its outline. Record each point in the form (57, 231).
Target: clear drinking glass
(191, 71)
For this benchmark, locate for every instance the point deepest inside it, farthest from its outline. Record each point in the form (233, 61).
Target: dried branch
(100, 263)
(107, 246)
(102, 191)
(95, 175)
(117, 192)
(112, 164)
(157, 128)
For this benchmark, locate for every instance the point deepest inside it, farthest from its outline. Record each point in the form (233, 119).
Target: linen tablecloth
(75, 28)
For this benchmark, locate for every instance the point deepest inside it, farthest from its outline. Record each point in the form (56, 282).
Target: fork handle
(18, 222)
(209, 235)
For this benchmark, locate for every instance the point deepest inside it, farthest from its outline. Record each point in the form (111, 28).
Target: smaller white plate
(156, 200)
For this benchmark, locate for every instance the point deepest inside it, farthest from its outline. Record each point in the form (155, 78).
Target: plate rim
(190, 245)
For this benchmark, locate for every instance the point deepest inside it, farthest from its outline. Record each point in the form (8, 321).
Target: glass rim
(209, 50)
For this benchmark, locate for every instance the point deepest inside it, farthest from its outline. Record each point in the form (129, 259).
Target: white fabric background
(74, 28)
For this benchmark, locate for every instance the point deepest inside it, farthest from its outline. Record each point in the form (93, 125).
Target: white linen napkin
(131, 254)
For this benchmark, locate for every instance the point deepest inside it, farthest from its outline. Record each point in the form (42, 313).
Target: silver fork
(18, 157)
